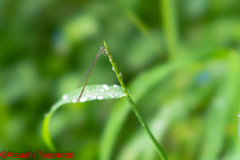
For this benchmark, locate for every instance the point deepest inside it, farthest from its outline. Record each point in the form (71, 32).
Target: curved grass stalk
(128, 96)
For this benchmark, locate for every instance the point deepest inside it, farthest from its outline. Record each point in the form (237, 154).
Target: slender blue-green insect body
(86, 75)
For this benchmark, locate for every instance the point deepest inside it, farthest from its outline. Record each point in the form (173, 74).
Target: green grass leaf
(93, 92)
(220, 110)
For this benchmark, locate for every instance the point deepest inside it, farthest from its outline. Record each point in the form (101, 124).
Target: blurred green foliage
(180, 60)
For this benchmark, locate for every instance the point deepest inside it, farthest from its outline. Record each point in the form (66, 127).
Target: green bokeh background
(180, 60)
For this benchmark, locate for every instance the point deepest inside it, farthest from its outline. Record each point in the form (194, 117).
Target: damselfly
(86, 75)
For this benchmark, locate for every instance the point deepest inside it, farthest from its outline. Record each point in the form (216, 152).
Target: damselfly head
(102, 49)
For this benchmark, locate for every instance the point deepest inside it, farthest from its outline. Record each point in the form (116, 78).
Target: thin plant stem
(168, 14)
(143, 123)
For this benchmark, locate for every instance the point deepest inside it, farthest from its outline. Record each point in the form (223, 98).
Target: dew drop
(94, 97)
(64, 97)
(100, 97)
(105, 50)
(105, 87)
(83, 99)
(74, 100)
(115, 85)
(112, 95)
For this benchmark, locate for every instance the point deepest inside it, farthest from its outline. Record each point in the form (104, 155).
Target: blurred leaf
(146, 51)
(195, 9)
(138, 23)
(93, 92)
(219, 111)
(220, 32)
(80, 28)
(19, 81)
(232, 143)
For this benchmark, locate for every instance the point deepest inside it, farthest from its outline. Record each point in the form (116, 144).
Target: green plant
(105, 94)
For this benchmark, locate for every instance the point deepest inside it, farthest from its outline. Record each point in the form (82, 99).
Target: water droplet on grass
(105, 87)
(100, 97)
(83, 99)
(64, 97)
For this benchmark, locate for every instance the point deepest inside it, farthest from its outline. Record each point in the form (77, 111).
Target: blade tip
(105, 44)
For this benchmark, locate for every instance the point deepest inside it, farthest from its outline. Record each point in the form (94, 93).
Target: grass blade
(93, 92)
